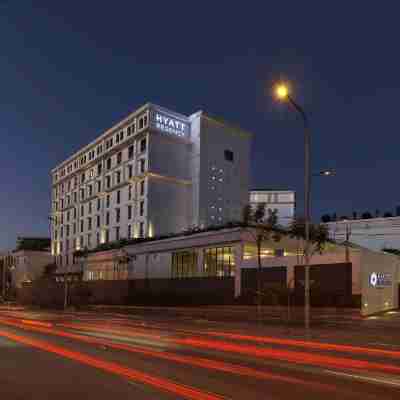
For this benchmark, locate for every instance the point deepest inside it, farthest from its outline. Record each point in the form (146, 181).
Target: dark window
(109, 163)
(118, 196)
(129, 212)
(129, 231)
(74, 228)
(98, 221)
(74, 213)
(98, 238)
(184, 264)
(90, 190)
(89, 221)
(141, 209)
(142, 165)
(119, 158)
(98, 169)
(82, 194)
(107, 238)
(140, 123)
(128, 133)
(117, 215)
(130, 192)
(228, 155)
(143, 145)
(107, 218)
(81, 225)
(82, 210)
(130, 171)
(98, 204)
(130, 151)
(108, 182)
(99, 186)
(67, 230)
(118, 176)
(108, 201)
(75, 197)
(142, 188)
(68, 215)
(82, 178)
(117, 233)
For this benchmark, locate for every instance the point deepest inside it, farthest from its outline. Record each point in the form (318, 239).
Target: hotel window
(81, 225)
(62, 189)
(117, 215)
(83, 178)
(75, 181)
(117, 233)
(91, 173)
(108, 181)
(67, 246)
(107, 201)
(68, 200)
(108, 162)
(142, 165)
(61, 247)
(62, 218)
(90, 190)
(98, 186)
(89, 223)
(75, 197)
(118, 196)
(74, 212)
(81, 241)
(145, 120)
(98, 221)
(128, 131)
(219, 261)
(121, 136)
(141, 229)
(62, 204)
(140, 123)
(184, 264)
(107, 218)
(99, 169)
(119, 157)
(143, 145)
(130, 171)
(129, 212)
(74, 228)
(228, 155)
(130, 192)
(69, 186)
(118, 177)
(89, 240)
(142, 188)
(141, 208)
(67, 228)
(130, 151)
(68, 215)
(98, 204)
(129, 231)
(82, 194)
(82, 210)
(117, 138)
(90, 207)
(107, 235)
(97, 238)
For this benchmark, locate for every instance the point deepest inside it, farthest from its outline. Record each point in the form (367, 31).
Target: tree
(366, 215)
(326, 218)
(334, 217)
(354, 214)
(262, 228)
(377, 213)
(387, 214)
(319, 234)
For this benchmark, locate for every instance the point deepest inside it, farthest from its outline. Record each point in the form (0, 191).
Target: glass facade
(184, 264)
(219, 261)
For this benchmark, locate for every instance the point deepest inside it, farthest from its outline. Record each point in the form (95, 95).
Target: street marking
(365, 378)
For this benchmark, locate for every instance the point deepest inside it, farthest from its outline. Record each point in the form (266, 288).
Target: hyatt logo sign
(170, 125)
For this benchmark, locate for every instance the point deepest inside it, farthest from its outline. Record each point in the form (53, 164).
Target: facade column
(200, 262)
(238, 254)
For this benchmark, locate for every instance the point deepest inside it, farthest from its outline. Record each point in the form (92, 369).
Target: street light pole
(282, 91)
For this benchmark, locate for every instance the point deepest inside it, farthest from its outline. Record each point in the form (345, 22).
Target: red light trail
(162, 384)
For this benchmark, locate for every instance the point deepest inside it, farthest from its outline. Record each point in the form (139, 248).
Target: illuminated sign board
(380, 280)
(168, 124)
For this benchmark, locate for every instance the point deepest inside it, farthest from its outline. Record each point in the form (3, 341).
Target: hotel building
(153, 173)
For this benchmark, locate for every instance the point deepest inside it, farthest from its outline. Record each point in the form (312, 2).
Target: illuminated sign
(168, 124)
(380, 279)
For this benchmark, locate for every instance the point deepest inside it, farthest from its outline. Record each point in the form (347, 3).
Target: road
(81, 355)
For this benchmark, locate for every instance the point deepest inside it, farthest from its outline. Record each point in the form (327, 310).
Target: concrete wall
(377, 299)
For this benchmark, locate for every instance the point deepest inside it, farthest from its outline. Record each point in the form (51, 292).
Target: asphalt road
(89, 355)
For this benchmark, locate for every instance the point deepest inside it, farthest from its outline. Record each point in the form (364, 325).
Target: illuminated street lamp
(282, 93)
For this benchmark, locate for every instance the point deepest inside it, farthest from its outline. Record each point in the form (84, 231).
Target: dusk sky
(70, 70)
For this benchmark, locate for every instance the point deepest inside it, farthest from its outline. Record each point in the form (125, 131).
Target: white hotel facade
(153, 173)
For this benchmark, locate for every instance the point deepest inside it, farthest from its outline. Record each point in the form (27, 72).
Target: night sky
(70, 70)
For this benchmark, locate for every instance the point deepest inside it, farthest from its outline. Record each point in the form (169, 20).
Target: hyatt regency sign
(380, 280)
(168, 124)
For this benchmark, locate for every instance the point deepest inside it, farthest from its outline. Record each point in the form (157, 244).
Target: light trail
(189, 360)
(308, 344)
(291, 356)
(162, 384)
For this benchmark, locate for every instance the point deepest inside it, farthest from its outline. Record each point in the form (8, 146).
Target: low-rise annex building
(339, 273)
